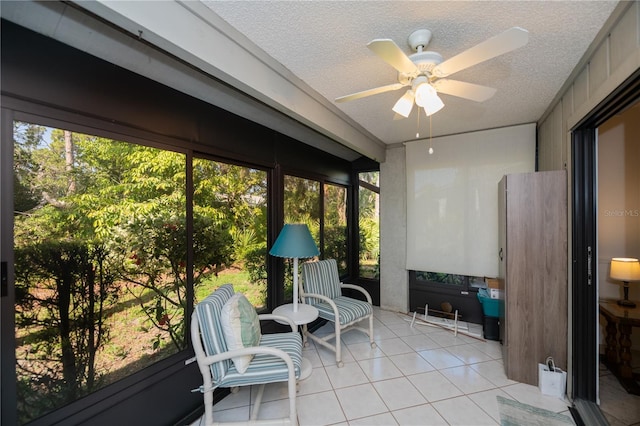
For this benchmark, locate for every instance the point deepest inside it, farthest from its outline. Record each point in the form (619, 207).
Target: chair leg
(305, 331)
(208, 407)
(256, 404)
(371, 341)
(338, 346)
(293, 414)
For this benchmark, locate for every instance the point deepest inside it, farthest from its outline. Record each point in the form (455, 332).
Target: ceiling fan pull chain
(430, 138)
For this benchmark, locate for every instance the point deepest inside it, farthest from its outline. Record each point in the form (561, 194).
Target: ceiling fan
(424, 72)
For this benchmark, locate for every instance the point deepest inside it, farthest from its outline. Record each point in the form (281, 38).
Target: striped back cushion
(322, 278)
(208, 312)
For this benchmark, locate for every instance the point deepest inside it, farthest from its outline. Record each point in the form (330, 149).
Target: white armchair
(321, 287)
(277, 358)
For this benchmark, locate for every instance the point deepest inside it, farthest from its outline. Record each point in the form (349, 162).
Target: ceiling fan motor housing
(425, 62)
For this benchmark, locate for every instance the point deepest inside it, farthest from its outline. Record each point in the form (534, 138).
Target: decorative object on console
(625, 269)
(294, 242)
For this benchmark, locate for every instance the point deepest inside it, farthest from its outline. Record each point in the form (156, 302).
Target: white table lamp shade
(625, 269)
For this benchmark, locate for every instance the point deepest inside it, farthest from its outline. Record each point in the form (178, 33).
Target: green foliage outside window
(451, 279)
(335, 225)
(101, 247)
(301, 205)
(100, 242)
(369, 225)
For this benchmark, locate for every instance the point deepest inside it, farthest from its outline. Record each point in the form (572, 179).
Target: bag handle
(550, 364)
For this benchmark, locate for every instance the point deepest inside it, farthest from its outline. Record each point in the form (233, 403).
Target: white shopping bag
(552, 381)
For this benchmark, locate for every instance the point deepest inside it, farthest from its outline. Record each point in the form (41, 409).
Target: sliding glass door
(583, 387)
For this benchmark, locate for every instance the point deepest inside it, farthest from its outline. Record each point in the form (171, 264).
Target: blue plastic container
(490, 307)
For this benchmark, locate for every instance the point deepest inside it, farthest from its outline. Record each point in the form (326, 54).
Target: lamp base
(627, 303)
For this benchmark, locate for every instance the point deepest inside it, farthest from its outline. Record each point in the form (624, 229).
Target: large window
(301, 205)
(236, 197)
(369, 225)
(335, 225)
(100, 262)
(104, 261)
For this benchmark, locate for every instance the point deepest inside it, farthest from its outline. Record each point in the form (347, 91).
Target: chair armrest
(322, 297)
(358, 288)
(315, 295)
(278, 318)
(253, 350)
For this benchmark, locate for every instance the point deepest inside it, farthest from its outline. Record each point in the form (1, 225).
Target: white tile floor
(416, 376)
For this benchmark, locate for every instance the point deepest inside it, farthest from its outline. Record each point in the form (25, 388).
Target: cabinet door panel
(535, 275)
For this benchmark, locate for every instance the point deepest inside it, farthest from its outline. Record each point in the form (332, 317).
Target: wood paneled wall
(612, 58)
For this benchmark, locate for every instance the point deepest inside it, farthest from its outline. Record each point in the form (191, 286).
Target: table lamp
(625, 269)
(294, 242)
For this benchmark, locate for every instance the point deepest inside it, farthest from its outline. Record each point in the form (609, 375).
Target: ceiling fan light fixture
(424, 92)
(404, 104)
(433, 105)
(427, 98)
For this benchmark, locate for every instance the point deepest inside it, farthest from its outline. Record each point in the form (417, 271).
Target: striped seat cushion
(348, 309)
(268, 368)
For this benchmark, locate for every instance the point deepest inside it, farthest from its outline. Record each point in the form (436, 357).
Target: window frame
(322, 180)
(122, 391)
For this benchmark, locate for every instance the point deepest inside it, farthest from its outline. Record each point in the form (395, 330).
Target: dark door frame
(584, 283)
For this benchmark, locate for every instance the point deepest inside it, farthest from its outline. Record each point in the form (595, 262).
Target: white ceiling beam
(195, 34)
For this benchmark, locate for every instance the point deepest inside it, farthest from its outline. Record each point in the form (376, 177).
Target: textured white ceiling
(324, 44)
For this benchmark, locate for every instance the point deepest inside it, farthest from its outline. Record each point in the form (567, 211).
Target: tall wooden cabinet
(533, 272)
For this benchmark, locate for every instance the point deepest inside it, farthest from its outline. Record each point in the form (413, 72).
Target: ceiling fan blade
(461, 89)
(505, 42)
(389, 52)
(370, 92)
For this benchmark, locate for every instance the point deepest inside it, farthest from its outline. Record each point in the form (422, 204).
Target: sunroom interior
(151, 153)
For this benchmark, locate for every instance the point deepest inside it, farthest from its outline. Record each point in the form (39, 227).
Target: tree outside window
(369, 225)
(238, 195)
(101, 256)
(335, 225)
(301, 205)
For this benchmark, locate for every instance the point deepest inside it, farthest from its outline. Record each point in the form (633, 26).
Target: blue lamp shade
(294, 241)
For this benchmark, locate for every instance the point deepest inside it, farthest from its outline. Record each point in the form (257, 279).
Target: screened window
(232, 201)
(100, 262)
(301, 205)
(369, 225)
(335, 225)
